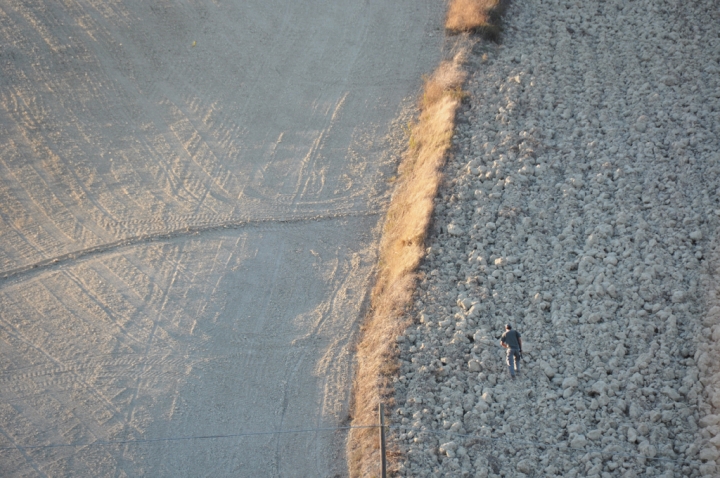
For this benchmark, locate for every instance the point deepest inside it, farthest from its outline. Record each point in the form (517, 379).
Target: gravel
(581, 206)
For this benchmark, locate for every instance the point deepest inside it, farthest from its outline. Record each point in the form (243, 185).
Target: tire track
(73, 376)
(30, 270)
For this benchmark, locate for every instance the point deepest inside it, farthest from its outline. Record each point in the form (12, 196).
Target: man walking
(512, 342)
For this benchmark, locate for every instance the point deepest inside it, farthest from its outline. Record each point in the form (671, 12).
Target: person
(512, 342)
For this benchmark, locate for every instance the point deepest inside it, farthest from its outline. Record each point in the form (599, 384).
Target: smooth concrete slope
(188, 192)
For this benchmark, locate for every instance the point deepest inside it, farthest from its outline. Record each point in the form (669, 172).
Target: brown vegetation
(476, 16)
(401, 249)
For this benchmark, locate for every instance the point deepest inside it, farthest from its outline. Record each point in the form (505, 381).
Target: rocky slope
(581, 206)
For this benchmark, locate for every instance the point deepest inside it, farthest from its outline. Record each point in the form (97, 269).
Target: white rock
(708, 469)
(709, 420)
(696, 235)
(709, 454)
(570, 382)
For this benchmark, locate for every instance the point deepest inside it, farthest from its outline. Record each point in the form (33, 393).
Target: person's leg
(510, 362)
(516, 353)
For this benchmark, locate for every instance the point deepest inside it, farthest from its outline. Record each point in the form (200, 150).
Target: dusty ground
(188, 193)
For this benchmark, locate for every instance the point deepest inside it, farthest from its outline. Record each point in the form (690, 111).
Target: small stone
(709, 454)
(599, 387)
(448, 449)
(611, 259)
(454, 230)
(678, 296)
(670, 80)
(708, 469)
(696, 235)
(525, 466)
(709, 420)
(647, 449)
(465, 303)
(482, 472)
(570, 382)
(671, 393)
(578, 442)
(641, 124)
(482, 405)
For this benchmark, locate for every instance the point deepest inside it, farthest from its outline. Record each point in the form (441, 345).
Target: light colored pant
(513, 361)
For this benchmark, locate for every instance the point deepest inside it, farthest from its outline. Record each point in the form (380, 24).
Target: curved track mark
(64, 259)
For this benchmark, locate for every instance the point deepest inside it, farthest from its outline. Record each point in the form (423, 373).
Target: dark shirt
(511, 339)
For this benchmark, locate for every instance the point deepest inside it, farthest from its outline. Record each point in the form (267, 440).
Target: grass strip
(476, 16)
(402, 247)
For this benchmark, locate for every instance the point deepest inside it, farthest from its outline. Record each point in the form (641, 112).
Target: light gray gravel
(581, 206)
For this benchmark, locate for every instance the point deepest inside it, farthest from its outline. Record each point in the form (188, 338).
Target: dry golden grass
(402, 248)
(479, 16)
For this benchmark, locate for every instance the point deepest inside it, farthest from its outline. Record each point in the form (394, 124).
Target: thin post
(382, 440)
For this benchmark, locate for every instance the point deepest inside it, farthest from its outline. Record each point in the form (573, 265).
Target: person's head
(508, 327)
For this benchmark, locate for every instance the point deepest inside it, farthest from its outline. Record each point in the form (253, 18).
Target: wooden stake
(382, 440)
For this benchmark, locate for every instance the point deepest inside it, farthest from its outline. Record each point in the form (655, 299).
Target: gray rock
(525, 466)
(578, 441)
(645, 448)
(641, 124)
(455, 230)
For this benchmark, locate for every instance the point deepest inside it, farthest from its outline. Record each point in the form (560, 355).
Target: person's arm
(520, 342)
